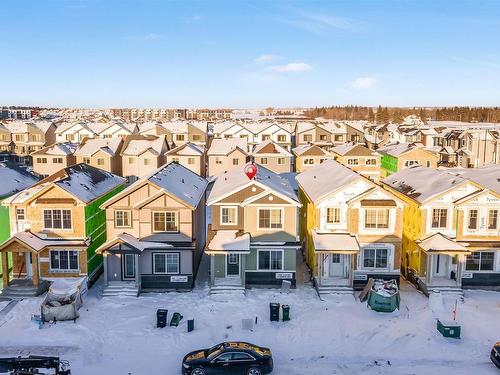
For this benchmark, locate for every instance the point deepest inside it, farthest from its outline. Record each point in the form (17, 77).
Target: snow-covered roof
(438, 242)
(63, 149)
(231, 241)
(421, 183)
(137, 145)
(269, 147)
(138, 245)
(180, 182)
(335, 242)
(92, 145)
(487, 176)
(187, 149)
(20, 126)
(65, 126)
(40, 242)
(225, 146)
(353, 149)
(302, 149)
(14, 179)
(321, 180)
(236, 179)
(396, 149)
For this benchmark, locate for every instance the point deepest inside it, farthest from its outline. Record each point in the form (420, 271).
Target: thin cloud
(295, 67)
(363, 83)
(267, 59)
(319, 23)
(151, 37)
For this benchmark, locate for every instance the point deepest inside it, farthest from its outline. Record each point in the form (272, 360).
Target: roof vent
(182, 180)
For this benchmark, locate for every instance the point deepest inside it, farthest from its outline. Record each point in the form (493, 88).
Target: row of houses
(436, 227)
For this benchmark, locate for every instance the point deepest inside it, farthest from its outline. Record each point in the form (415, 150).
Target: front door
(336, 265)
(233, 265)
(29, 265)
(441, 266)
(128, 266)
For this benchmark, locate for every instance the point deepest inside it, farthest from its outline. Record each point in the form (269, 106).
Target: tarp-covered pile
(63, 300)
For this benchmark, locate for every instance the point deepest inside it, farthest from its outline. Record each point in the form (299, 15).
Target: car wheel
(198, 371)
(254, 371)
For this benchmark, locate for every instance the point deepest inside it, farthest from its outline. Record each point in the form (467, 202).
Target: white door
(29, 265)
(441, 265)
(336, 265)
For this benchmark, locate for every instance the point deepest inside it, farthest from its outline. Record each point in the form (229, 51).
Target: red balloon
(250, 170)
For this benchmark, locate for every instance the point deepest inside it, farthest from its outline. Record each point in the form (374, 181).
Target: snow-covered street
(338, 336)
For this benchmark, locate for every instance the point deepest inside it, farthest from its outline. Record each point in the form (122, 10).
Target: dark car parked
(235, 358)
(495, 354)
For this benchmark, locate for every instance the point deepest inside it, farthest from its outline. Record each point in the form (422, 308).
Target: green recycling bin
(449, 329)
(286, 312)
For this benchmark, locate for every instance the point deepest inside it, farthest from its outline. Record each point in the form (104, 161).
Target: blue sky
(237, 53)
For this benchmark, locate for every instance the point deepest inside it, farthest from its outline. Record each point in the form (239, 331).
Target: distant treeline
(397, 114)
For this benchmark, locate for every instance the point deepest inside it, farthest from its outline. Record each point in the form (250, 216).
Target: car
(495, 354)
(235, 358)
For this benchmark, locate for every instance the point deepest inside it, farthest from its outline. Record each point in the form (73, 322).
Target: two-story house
(56, 226)
(351, 228)
(398, 156)
(190, 155)
(359, 158)
(324, 134)
(272, 156)
(29, 137)
(156, 231)
(53, 158)
(307, 156)
(180, 132)
(101, 153)
(431, 249)
(142, 155)
(226, 154)
(113, 128)
(252, 239)
(74, 131)
(6, 144)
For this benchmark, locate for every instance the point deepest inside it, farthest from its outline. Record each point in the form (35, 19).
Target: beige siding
(226, 162)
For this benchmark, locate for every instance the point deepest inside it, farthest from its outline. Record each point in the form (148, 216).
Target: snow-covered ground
(338, 336)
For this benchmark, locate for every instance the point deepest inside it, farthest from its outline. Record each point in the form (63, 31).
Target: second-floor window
(131, 160)
(309, 161)
(179, 137)
(473, 219)
(70, 137)
(266, 137)
(165, 221)
(191, 161)
(236, 161)
(228, 215)
(100, 161)
(323, 137)
(123, 219)
(263, 161)
(492, 219)
(20, 214)
(409, 163)
(270, 218)
(41, 160)
(147, 161)
(57, 219)
(339, 138)
(281, 161)
(19, 137)
(377, 218)
(439, 218)
(218, 160)
(86, 160)
(371, 161)
(57, 160)
(352, 161)
(308, 137)
(281, 138)
(333, 215)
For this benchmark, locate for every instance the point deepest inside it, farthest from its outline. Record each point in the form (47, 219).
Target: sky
(249, 54)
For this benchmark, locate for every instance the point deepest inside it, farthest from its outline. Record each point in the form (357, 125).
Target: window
(322, 137)
(218, 160)
(439, 218)
(225, 357)
(70, 137)
(100, 161)
(64, 260)
(308, 137)
(281, 161)
(41, 160)
(377, 218)
(108, 136)
(409, 163)
(333, 215)
(371, 161)
(375, 258)
(270, 260)
(263, 161)
(228, 215)
(492, 219)
(20, 214)
(165, 221)
(233, 259)
(339, 138)
(131, 160)
(57, 219)
(242, 356)
(352, 161)
(473, 219)
(147, 161)
(236, 161)
(122, 219)
(175, 159)
(179, 137)
(265, 137)
(281, 138)
(270, 218)
(309, 161)
(191, 161)
(196, 137)
(166, 263)
(86, 160)
(19, 137)
(57, 160)
(428, 163)
(480, 261)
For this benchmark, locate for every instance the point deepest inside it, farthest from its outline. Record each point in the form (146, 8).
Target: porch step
(227, 290)
(19, 289)
(333, 289)
(126, 289)
(446, 290)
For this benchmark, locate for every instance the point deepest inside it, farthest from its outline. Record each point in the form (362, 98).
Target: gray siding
(186, 261)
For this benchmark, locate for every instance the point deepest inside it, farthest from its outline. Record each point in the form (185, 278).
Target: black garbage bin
(286, 312)
(161, 318)
(190, 325)
(275, 311)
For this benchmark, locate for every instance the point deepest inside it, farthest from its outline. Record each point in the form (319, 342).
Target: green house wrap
(389, 163)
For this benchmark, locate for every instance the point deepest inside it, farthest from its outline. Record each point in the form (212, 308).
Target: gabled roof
(320, 181)
(487, 176)
(269, 147)
(188, 149)
(20, 126)
(65, 126)
(14, 179)
(137, 246)
(235, 180)
(229, 241)
(335, 242)
(63, 149)
(90, 146)
(309, 148)
(396, 149)
(226, 146)
(439, 243)
(135, 145)
(421, 183)
(353, 149)
(38, 242)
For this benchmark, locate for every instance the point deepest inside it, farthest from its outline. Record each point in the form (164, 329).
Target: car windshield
(214, 351)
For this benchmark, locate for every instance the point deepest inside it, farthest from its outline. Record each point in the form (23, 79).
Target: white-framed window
(165, 263)
(332, 215)
(64, 261)
(270, 218)
(308, 161)
(439, 218)
(57, 219)
(371, 161)
(307, 138)
(270, 260)
(236, 161)
(20, 214)
(376, 258)
(179, 137)
(263, 161)
(473, 219)
(338, 138)
(57, 160)
(165, 221)
(266, 137)
(233, 258)
(377, 218)
(352, 161)
(492, 219)
(123, 219)
(100, 161)
(281, 138)
(41, 160)
(480, 261)
(409, 163)
(323, 137)
(281, 161)
(229, 215)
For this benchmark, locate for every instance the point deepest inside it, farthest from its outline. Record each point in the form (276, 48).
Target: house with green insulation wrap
(55, 227)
